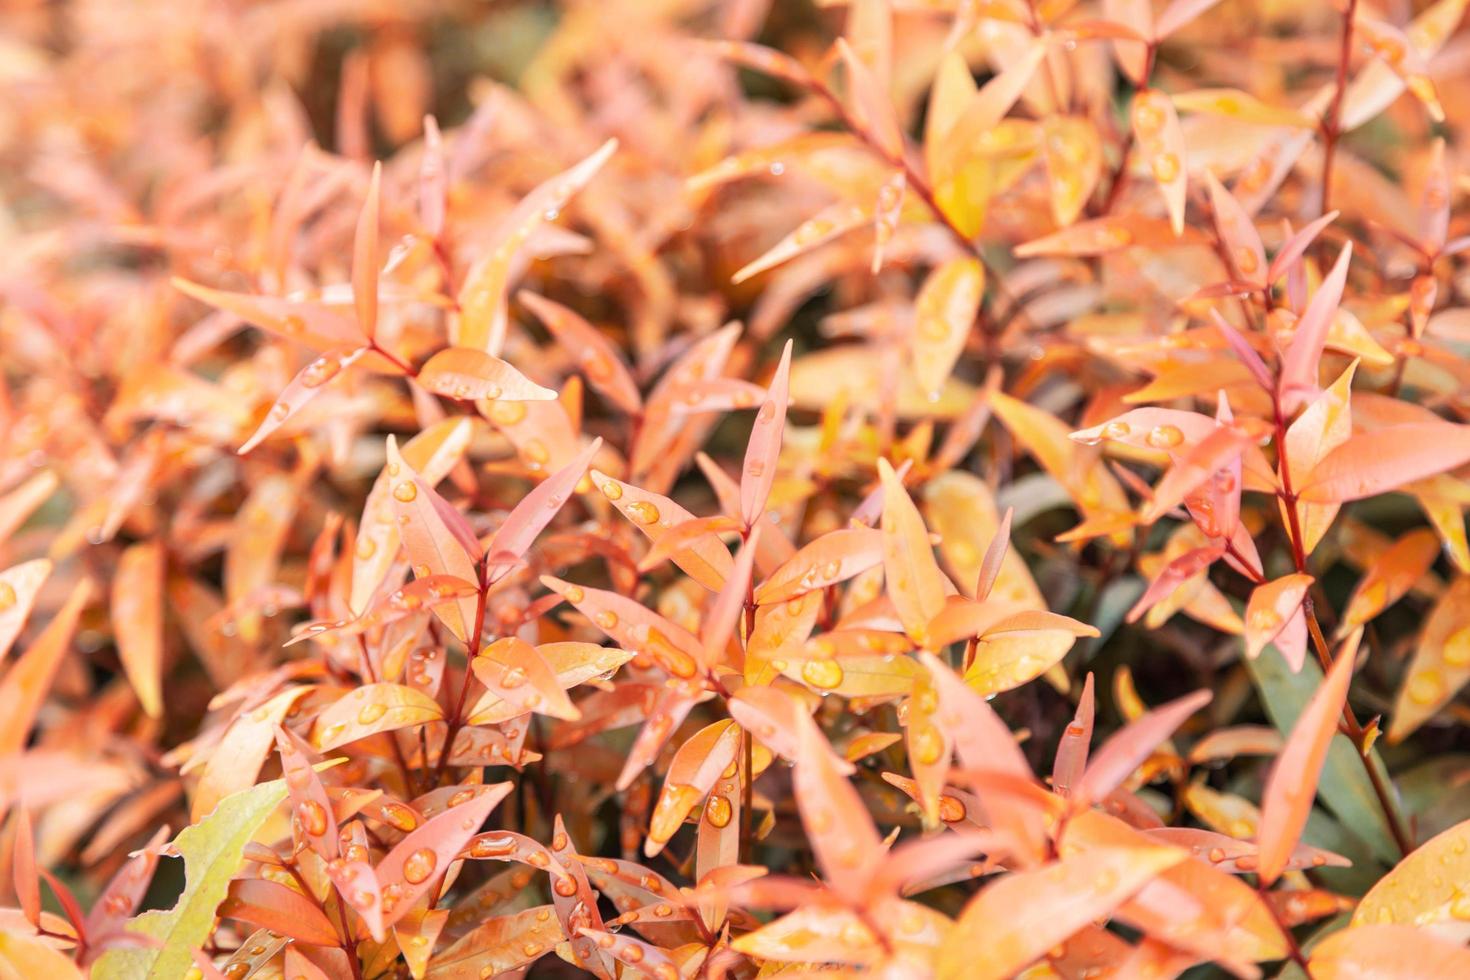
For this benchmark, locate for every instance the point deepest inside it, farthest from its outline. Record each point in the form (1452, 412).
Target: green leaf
(212, 851)
(1345, 787)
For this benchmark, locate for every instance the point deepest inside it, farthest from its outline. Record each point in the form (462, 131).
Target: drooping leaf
(834, 557)
(309, 382)
(274, 906)
(1391, 575)
(499, 945)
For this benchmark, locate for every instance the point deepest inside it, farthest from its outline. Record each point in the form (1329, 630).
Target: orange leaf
(29, 680)
(466, 373)
(838, 828)
(634, 627)
(1237, 231)
(421, 859)
(763, 451)
(832, 558)
(19, 586)
(1122, 754)
(271, 905)
(137, 621)
(1380, 460)
(693, 773)
(1387, 952)
(597, 357)
(433, 453)
(704, 559)
(365, 258)
(872, 106)
(23, 869)
(1071, 759)
(1325, 424)
(944, 312)
(1298, 379)
(1018, 918)
(481, 322)
(1271, 609)
(915, 584)
(833, 221)
(427, 525)
(1440, 665)
(371, 709)
(1291, 787)
(515, 671)
(536, 509)
(314, 324)
(1161, 146)
(309, 382)
(1074, 158)
(1426, 887)
(1390, 576)
(720, 619)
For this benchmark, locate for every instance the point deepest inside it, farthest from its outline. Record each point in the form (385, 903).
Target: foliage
(691, 489)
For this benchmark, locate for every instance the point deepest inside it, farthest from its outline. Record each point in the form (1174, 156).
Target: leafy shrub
(915, 488)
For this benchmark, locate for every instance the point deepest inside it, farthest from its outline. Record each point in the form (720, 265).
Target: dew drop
(824, 674)
(718, 811)
(313, 817)
(1165, 436)
(399, 817)
(371, 713)
(320, 371)
(1165, 167)
(419, 866)
(643, 512)
(493, 846)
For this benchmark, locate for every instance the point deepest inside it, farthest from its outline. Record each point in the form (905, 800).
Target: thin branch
(1332, 123)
